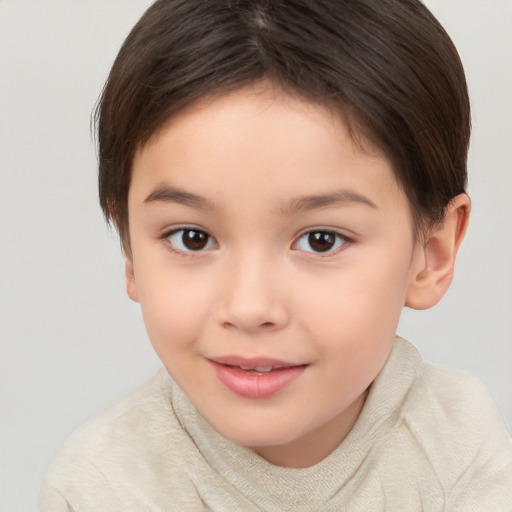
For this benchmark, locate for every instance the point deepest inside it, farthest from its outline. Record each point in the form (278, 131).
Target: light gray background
(71, 341)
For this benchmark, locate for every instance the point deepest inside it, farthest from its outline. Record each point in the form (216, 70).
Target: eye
(190, 240)
(320, 241)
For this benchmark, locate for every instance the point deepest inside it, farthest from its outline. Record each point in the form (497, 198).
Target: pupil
(321, 241)
(194, 240)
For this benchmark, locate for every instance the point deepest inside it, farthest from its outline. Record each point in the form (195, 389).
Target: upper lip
(252, 362)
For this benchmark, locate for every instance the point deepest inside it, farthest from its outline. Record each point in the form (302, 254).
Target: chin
(257, 434)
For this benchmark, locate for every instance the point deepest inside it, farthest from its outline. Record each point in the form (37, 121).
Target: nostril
(237, 325)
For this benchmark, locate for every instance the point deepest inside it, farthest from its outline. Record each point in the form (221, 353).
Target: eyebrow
(336, 198)
(166, 194)
(303, 204)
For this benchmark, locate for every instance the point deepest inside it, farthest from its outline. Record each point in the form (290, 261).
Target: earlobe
(434, 268)
(131, 285)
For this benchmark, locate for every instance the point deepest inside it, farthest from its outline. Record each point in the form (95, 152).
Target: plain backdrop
(71, 341)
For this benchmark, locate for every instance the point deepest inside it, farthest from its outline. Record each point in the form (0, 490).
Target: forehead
(259, 138)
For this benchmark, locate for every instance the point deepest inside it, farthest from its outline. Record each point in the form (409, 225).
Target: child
(285, 177)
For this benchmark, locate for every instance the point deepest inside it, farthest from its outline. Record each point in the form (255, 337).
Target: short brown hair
(387, 66)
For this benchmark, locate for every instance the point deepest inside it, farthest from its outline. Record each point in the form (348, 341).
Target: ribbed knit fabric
(428, 439)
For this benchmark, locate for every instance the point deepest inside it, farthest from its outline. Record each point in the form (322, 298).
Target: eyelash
(340, 241)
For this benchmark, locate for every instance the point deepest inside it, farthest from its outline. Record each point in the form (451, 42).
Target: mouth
(255, 378)
(260, 370)
(256, 365)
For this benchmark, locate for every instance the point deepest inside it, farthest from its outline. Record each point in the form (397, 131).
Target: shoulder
(444, 441)
(433, 399)
(123, 449)
(145, 414)
(452, 419)
(451, 401)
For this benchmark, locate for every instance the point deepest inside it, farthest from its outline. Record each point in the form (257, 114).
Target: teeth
(260, 369)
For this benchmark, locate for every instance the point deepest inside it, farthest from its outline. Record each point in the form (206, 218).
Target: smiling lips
(255, 378)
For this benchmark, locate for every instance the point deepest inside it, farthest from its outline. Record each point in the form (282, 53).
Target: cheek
(354, 312)
(365, 294)
(174, 310)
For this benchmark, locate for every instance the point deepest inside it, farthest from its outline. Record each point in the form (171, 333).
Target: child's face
(262, 237)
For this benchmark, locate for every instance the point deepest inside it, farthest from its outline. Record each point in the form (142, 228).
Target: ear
(131, 285)
(436, 257)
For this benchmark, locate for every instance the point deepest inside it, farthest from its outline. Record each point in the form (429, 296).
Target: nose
(252, 298)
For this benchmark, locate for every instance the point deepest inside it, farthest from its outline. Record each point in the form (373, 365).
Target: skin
(258, 287)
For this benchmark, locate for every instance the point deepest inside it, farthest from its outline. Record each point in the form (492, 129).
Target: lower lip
(253, 385)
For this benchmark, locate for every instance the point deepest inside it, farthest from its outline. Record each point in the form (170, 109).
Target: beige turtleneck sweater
(427, 439)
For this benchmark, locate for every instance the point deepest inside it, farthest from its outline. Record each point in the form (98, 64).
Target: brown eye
(194, 240)
(190, 240)
(320, 241)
